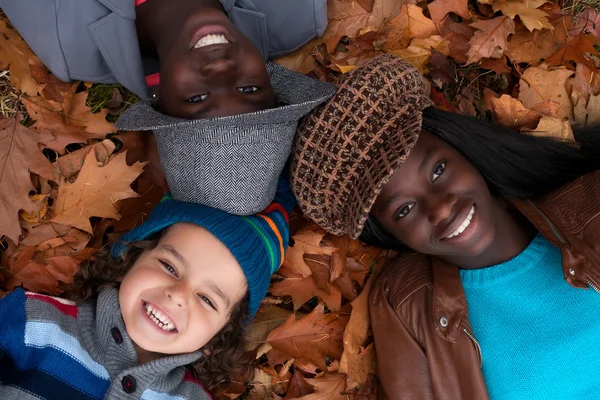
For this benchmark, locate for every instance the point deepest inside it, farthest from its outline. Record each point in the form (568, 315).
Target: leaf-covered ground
(69, 183)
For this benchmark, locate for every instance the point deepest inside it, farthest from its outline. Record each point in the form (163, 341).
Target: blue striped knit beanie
(258, 242)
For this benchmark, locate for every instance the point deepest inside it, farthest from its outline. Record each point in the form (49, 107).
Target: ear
(119, 279)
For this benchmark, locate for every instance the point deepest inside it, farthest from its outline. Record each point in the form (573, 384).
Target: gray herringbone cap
(231, 163)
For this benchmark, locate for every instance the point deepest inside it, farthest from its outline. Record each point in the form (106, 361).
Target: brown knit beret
(348, 148)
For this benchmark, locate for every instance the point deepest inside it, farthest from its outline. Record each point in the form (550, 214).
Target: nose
(440, 206)
(177, 295)
(218, 66)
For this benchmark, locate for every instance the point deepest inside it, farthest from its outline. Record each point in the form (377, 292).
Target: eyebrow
(219, 293)
(175, 254)
(392, 199)
(428, 154)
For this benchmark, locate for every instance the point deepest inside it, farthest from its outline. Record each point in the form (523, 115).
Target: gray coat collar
(121, 359)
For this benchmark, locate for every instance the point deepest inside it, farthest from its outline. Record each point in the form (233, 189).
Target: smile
(160, 319)
(461, 228)
(210, 39)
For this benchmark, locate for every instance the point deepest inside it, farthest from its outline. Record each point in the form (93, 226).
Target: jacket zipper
(476, 343)
(553, 227)
(593, 286)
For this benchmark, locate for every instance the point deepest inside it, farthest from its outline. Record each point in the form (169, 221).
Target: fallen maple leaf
(70, 164)
(528, 12)
(306, 241)
(18, 58)
(419, 51)
(586, 82)
(439, 9)
(409, 24)
(268, 318)
(327, 387)
(69, 122)
(490, 41)
(587, 21)
(532, 47)
(510, 112)
(575, 50)
(95, 192)
(539, 84)
(554, 127)
(314, 337)
(458, 36)
(19, 155)
(298, 387)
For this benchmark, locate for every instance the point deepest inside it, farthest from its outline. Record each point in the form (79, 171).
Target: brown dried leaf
(18, 58)
(268, 318)
(298, 387)
(458, 36)
(575, 50)
(419, 51)
(528, 12)
(328, 387)
(587, 21)
(511, 112)
(314, 337)
(439, 9)
(532, 47)
(490, 41)
(306, 241)
(409, 24)
(19, 155)
(554, 127)
(95, 191)
(538, 84)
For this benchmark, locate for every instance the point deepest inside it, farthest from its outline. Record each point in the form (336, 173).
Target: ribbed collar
(119, 360)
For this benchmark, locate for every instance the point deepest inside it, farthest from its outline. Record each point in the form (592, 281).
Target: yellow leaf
(345, 68)
(95, 191)
(527, 11)
(409, 24)
(419, 51)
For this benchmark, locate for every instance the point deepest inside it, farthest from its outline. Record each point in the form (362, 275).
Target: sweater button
(116, 335)
(129, 384)
(444, 322)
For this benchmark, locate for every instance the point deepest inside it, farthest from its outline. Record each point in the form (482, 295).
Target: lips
(211, 35)
(159, 318)
(460, 224)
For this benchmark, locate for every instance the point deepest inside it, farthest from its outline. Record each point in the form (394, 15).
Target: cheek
(203, 326)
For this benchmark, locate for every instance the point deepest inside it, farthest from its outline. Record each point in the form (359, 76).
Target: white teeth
(159, 318)
(210, 39)
(464, 225)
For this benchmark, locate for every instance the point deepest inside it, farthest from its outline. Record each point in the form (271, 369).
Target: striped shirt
(51, 348)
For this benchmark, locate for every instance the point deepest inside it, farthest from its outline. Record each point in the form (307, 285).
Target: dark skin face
(433, 195)
(212, 81)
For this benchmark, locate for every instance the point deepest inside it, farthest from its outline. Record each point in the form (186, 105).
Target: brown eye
(248, 89)
(198, 98)
(438, 171)
(403, 212)
(207, 301)
(169, 267)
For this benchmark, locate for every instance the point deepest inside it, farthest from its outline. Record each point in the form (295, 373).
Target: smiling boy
(209, 53)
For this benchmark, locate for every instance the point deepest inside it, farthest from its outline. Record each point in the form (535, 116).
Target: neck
(159, 21)
(513, 234)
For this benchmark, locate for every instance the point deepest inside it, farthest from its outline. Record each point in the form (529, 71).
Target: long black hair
(513, 164)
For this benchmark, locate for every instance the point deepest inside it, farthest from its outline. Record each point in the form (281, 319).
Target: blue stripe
(149, 394)
(49, 335)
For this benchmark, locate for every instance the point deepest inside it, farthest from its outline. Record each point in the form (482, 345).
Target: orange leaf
(306, 241)
(539, 84)
(95, 191)
(511, 112)
(439, 9)
(528, 12)
(575, 51)
(490, 40)
(314, 337)
(328, 387)
(18, 58)
(409, 24)
(19, 155)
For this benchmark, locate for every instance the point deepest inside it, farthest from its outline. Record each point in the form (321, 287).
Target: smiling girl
(489, 224)
(159, 316)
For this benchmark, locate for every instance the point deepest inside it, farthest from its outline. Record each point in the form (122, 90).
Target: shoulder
(189, 388)
(289, 24)
(407, 275)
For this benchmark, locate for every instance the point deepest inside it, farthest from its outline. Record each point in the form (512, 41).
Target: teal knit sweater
(540, 337)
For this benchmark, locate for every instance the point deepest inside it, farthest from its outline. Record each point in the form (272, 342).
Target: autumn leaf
(490, 41)
(587, 113)
(18, 58)
(510, 112)
(539, 84)
(586, 82)
(95, 191)
(588, 21)
(419, 51)
(553, 127)
(302, 290)
(575, 50)
(328, 387)
(298, 387)
(532, 47)
(314, 337)
(19, 155)
(458, 36)
(306, 241)
(409, 24)
(268, 318)
(439, 9)
(68, 122)
(70, 164)
(528, 12)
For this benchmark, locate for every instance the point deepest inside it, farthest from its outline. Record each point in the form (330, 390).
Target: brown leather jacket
(423, 338)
